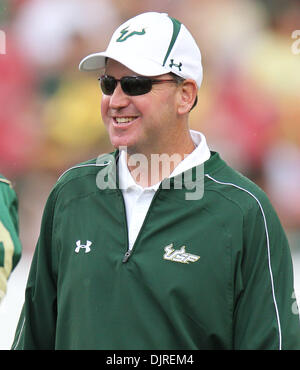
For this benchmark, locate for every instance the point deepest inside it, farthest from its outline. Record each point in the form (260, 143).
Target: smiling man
(135, 121)
(138, 264)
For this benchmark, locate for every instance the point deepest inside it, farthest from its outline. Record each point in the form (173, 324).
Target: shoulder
(4, 182)
(240, 201)
(85, 169)
(234, 187)
(6, 189)
(8, 205)
(81, 179)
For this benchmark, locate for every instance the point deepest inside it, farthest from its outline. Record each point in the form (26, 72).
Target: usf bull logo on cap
(125, 34)
(151, 44)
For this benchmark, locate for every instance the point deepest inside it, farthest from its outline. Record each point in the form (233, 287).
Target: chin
(119, 142)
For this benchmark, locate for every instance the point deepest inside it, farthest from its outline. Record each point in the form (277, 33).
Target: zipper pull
(126, 256)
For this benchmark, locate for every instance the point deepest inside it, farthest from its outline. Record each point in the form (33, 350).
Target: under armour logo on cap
(172, 64)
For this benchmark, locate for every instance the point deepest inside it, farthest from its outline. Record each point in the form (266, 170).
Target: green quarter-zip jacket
(207, 273)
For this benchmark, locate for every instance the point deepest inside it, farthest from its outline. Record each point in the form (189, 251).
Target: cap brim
(93, 62)
(145, 67)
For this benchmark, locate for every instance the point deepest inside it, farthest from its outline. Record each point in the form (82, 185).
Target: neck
(150, 167)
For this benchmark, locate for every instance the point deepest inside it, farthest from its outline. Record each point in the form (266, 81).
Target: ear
(187, 94)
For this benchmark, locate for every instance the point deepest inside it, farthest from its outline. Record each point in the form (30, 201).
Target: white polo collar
(197, 157)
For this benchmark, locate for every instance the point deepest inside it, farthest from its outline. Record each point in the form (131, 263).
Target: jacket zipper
(126, 256)
(129, 252)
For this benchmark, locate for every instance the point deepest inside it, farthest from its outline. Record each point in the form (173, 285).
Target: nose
(118, 99)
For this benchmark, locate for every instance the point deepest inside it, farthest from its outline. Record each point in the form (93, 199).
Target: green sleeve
(36, 326)
(10, 246)
(265, 316)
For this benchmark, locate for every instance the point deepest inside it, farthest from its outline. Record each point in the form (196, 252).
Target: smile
(123, 121)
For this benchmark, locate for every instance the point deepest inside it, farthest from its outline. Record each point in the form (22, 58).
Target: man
(132, 253)
(10, 246)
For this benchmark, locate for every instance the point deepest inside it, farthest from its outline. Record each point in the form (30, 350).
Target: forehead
(117, 69)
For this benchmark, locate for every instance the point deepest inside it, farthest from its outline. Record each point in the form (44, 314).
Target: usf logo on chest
(179, 255)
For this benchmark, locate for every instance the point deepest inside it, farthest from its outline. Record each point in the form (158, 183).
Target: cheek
(104, 108)
(163, 107)
(151, 105)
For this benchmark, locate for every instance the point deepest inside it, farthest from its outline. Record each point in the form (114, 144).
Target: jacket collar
(196, 158)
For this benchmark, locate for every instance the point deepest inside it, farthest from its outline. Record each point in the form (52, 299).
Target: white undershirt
(137, 199)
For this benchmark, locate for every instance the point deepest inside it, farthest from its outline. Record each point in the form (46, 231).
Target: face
(144, 123)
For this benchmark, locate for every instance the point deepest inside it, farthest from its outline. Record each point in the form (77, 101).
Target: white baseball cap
(151, 44)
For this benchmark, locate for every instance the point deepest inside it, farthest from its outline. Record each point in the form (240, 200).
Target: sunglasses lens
(108, 84)
(131, 85)
(136, 85)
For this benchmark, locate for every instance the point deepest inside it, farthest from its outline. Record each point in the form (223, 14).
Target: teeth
(124, 119)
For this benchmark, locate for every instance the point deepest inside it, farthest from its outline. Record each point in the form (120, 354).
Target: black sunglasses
(131, 85)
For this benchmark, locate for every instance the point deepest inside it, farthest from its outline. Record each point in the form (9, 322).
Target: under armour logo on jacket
(84, 246)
